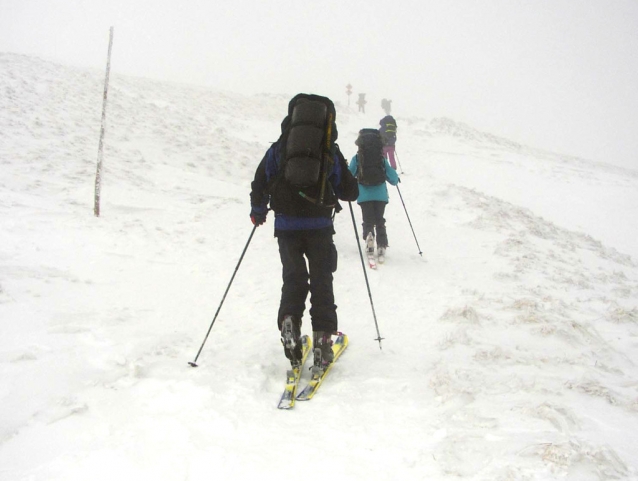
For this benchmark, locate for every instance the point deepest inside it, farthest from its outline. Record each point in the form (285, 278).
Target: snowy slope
(510, 348)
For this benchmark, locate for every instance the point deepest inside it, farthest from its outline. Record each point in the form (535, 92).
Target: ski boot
(381, 253)
(323, 354)
(290, 334)
(370, 244)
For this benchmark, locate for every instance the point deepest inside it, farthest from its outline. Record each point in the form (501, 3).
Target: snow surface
(510, 348)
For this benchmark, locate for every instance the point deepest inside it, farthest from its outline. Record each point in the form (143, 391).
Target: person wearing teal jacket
(372, 200)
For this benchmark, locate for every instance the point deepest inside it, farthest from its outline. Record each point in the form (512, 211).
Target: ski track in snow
(509, 351)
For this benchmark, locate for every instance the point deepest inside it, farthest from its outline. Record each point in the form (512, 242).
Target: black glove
(258, 215)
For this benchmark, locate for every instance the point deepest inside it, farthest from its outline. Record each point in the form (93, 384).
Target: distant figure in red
(388, 131)
(362, 103)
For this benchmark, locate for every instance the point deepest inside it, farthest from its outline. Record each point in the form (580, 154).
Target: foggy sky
(555, 74)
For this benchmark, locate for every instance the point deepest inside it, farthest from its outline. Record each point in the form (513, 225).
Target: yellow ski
(288, 397)
(310, 390)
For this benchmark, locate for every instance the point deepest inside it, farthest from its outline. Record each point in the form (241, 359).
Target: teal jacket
(379, 192)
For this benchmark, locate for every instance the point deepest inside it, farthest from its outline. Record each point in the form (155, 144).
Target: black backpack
(370, 158)
(388, 130)
(306, 157)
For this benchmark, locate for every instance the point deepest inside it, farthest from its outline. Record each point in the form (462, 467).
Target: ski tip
(192, 364)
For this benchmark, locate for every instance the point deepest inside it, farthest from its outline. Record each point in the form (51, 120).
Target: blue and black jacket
(292, 211)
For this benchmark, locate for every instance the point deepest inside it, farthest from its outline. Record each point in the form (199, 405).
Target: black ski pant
(315, 277)
(372, 213)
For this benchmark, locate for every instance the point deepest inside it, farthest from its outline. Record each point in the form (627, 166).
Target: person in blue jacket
(304, 231)
(372, 200)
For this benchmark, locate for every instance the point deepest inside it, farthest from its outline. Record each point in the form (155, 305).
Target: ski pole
(399, 163)
(406, 213)
(194, 362)
(365, 274)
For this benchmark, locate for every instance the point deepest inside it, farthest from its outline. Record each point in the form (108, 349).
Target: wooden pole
(100, 151)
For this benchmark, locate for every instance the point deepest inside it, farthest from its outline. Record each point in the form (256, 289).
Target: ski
(318, 376)
(293, 376)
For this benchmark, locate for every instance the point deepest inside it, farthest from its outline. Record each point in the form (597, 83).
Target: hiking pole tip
(192, 364)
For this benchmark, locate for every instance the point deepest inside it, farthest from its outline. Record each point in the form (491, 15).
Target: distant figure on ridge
(362, 103)
(386, 105)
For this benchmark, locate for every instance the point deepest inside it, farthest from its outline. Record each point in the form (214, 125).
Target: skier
(372, 170)
(303, 223)
(386, 105)
(362, 103)
(388, 131)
